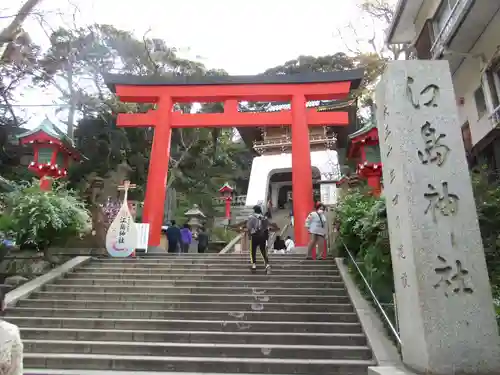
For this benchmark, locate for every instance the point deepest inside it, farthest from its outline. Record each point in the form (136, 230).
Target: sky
(240, 37)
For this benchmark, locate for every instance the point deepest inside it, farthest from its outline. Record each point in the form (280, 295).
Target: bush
(362, 224)
(487, 196)
(40, 219)
(222, 234)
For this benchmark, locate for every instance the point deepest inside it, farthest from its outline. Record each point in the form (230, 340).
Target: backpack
(262, 225)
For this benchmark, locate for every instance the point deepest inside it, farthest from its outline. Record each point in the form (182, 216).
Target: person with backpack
(316, 225)
(258, 230)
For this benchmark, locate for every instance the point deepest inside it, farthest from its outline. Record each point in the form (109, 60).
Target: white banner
(328, 193)
(122, 236)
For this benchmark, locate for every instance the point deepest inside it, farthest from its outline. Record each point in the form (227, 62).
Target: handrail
(374, 297)
(231, 244)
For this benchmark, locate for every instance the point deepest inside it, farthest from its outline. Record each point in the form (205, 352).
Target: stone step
(192, 283)
(191, 297)
(194, 305)
(270, 316)
(244, 276)
(183, 324)
(143, 289)
(228, 337)
(197, 364)
(198, 349)
(207, 256)
(31, 371)
(229, 271)
(214, 265)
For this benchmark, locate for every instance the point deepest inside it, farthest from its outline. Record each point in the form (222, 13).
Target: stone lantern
(195, 219)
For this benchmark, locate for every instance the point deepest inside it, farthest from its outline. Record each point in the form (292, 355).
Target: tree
(17, 59)
(304, 64)
(14, 28)
(372, 51)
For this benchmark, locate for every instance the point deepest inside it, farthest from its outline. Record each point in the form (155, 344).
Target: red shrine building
(303, 129)
(271, 174)
(364, 151)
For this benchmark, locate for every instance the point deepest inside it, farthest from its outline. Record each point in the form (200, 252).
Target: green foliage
(487, 196)
(40, 219)
(222, 234)
(362, 228)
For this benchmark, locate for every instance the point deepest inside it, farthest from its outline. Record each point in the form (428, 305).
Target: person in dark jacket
(258, 231)
(202, 240)
(173, 237)
(279, 244)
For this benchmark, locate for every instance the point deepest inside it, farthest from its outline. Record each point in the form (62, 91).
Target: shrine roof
(320, 105)
(225, 187)
(354, 76)
(365, 129)
(350, 105)
(47, 127)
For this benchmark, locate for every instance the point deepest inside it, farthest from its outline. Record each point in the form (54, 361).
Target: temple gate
(164, 92)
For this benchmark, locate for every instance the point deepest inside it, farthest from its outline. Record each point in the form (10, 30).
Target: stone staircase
(193, 313)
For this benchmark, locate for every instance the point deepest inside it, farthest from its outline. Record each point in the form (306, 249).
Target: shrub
(487, 197)
(40, 219)
(362, 223)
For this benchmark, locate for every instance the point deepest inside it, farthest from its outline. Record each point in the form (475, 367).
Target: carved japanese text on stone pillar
(434, 152)
(441, 201)
(428, 97)
(452, 277)
(404, 280)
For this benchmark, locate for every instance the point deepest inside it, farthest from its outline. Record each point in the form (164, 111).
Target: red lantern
(227, 196)
(52, 152)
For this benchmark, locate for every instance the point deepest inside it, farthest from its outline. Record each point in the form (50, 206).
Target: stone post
(443, 294)
(275, 187)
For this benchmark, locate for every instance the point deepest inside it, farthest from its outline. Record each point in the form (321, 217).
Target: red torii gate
(165, 92)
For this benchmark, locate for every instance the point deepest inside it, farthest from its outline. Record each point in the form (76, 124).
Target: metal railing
(451, 21)
(374, 297)
(495, 117)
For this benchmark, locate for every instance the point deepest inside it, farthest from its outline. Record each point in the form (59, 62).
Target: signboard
(122, 236)
(328, 193)
(143, 236)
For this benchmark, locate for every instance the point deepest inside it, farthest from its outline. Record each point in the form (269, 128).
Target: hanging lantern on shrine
(364, 148)
(52, 152)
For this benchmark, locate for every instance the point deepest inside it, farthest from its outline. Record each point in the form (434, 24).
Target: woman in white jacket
(317, 226)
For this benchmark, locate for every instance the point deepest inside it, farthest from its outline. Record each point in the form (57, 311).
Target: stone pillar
(274, 194)
(445, 307)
